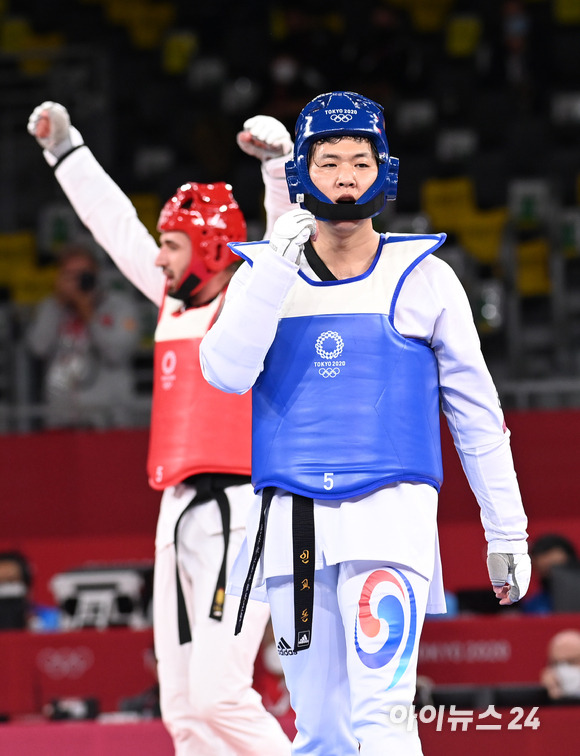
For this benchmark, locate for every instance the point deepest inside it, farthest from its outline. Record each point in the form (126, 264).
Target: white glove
(291, 231)
(510, 576)
(265, 137)
(50, 125)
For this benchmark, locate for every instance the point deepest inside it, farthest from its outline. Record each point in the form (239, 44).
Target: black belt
(303, 553)
(303, 561)
(209, 487)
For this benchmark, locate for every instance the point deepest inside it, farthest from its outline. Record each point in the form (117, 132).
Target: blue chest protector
(345, 404)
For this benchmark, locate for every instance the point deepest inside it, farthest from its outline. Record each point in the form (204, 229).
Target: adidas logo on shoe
(284, 648)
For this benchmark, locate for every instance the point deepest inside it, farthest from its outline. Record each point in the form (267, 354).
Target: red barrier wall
(489, 650)
(72, 497)
(36, 668)
(545, 447)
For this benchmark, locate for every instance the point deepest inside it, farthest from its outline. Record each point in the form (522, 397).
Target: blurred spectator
(86, 337)
(546, 552)
(17, 610)
(561, 677)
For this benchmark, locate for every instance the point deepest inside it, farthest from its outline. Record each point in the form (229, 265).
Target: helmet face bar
(211, 217)
(341, 114)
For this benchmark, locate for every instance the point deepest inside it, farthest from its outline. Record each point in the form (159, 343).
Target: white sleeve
(232, 353)
(276, 196)
(115, 329)
(43, 331)
(111, 218)
(469, 401)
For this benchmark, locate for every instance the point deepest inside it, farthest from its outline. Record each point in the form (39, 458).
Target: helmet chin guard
(341, 114)
(211, 217)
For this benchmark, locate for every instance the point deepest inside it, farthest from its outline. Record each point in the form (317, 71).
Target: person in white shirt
(351, 341)
(199, 449)
(86, 337)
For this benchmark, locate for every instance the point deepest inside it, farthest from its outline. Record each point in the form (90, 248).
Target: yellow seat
(32, 284)
(462, 35)
(148, 30)
(429, 15)
(146, 21)
(566, 11)
(15, 34)
(448, 202)
(481, 234)
(6, 273)
(12, 271)
(178, 49)
(533, 267)
(17, 256)
(123, 12)
(34, 50)
(39, 53)
(18, 247)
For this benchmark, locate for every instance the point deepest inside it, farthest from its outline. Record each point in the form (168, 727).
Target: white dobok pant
(207, 701)
(366, 623)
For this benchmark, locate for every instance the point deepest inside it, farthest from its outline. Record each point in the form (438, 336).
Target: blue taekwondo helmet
(341, 114)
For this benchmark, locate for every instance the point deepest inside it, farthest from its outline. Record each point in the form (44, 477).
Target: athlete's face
(174, 257)
(343, 170)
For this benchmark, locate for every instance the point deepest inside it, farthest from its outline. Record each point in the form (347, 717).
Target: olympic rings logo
(65, 663)
(341, 118)
(329, 372)
(337, 340)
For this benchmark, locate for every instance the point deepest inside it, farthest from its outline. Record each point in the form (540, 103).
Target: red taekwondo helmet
(211, 217)
(341, 114)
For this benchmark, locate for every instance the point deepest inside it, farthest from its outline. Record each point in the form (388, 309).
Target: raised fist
(49, 124)
(265, 137)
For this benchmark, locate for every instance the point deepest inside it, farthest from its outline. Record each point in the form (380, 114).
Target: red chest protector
(195, 428)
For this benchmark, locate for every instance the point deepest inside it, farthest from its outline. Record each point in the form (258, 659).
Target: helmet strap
(344, 211)
(187, 288)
